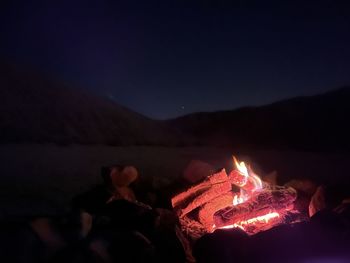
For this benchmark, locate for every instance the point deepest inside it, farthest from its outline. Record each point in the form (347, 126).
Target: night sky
(168, 58)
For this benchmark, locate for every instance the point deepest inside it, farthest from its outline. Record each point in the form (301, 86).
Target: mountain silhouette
(35, 108)
(317, 122)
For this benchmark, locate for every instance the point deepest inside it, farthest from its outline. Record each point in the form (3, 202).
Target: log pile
(208, 205)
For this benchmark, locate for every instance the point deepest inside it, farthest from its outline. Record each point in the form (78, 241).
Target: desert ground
(41, 179)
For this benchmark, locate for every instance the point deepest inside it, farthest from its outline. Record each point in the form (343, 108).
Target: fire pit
(239, 199)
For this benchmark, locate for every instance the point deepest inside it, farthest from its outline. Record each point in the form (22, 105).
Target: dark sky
(167, 58)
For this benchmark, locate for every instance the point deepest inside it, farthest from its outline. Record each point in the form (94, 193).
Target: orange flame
(238, 199)
(248, 176)
(241, 167)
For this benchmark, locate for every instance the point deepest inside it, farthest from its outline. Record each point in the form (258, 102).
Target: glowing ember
(259, 219)
(258, 184)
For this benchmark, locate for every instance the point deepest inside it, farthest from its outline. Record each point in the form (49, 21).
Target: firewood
(191, 193)
(280, 200)
(197, 170)
(200, 188)
(213, 192)
(207, 211)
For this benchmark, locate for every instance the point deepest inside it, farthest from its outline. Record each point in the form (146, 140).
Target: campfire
(239, 199)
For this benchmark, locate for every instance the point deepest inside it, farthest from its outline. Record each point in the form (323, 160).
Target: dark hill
(310, 123)
(34, 108)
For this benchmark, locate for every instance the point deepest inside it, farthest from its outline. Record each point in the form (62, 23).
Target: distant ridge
(34, 108)
(317, 122)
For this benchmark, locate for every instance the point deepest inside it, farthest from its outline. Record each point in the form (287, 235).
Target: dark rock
(92, 201)
(126, 215)
(222, 246)
(119, 175)
(196, 170)
(115, 245)
(305, 186)
(318, 201)
(19, 243)
(77, 254)
(48, 233)
(328, 221)
(168, 246)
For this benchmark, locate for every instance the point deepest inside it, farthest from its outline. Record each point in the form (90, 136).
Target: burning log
(212, 187)
(268, 206)
(207, 211)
